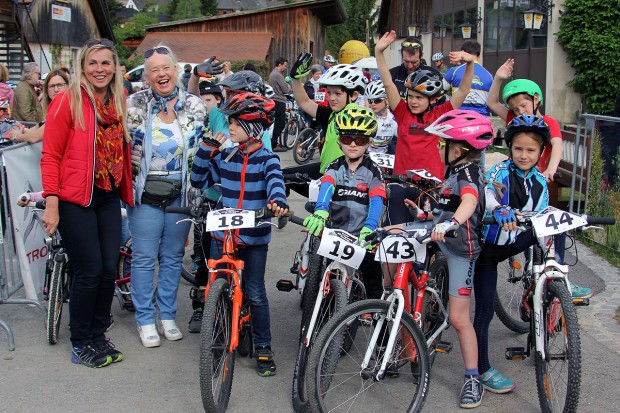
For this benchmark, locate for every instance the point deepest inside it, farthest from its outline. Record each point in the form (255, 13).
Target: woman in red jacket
(86, 171)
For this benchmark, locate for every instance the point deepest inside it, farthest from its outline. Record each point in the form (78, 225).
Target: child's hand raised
(385, 41)
(457, 58)
(505, 71)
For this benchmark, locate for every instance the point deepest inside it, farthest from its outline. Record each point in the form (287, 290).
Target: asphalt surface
(40, 377)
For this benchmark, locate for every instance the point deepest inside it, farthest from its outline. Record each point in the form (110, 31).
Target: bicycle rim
(303, 150)
(123, 291)
(432, 316)
(55, 300)
(290, 133)
(511, 284)
(558, 376)
(217, 363)
(358, 293)
(342, 385)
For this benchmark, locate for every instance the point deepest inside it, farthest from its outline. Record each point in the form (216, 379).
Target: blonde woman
(86, 171)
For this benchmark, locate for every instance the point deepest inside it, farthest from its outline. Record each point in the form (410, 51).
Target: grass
(612, 256)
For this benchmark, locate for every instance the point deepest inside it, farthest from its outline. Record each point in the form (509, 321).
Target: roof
(329, 11)
(194, 47)
(246, 4)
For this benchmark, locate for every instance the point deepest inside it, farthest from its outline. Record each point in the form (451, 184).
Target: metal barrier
(10, 272)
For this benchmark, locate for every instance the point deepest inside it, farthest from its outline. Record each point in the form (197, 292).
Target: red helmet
(464, 126)
(250, 107)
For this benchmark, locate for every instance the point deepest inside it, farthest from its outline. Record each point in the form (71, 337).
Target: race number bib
(422, 173)
(383, 160)
(230, 218)
(319, 97)
(400, 248)
(552, 221)
(341, 246)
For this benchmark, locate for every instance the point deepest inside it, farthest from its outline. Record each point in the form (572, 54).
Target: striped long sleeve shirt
(248, 181)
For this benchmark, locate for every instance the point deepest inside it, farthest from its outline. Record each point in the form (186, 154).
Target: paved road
(39, 377)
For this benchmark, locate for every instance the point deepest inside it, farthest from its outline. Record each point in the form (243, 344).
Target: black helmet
(527, 123)
(244, 81)
(209, 88)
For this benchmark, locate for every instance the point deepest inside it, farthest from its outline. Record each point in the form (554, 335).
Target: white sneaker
(169, 329)
(149, 336)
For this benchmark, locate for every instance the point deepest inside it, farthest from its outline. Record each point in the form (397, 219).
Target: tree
(208, 7)
(589, 34)
(113, 7)
(354, 28)
(187, 9)
(134, 27)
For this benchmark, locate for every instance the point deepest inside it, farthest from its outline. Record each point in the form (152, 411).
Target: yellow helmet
(351, 51)
(356, 121)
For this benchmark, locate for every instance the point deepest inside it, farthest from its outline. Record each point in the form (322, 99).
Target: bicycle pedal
(443, 347)
(581, 302)
(285, 285)
(294, 269)
(516, 353)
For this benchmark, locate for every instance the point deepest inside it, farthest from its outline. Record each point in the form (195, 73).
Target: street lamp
(440, 31)
(533, 18)
(414, 29)
(376, 37)
(466, 29)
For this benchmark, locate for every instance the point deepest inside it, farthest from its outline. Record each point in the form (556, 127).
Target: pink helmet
(464, 125)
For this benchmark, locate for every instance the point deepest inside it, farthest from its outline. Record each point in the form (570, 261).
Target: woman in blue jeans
(166, 125)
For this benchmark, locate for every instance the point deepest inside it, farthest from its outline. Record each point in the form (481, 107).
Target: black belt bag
(160, 191)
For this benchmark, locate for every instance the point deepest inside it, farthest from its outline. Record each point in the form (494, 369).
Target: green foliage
(358, 11)
(133, 28)
(208, 7)
(261, 67)
(113, 7)
(187, 9)
(590, 35)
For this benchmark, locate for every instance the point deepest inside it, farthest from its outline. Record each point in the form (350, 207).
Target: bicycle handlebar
(527, 219)
(379, 234)
(297, 177)
(32, 204)
(414, 180)
(296, 220)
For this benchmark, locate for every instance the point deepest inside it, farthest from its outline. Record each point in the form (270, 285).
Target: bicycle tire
(511, 284)
(311, 289)
(432, 317)
(290, 132)
(217, 364)
(334, 301)
(188, 275)
(246, 340)
(310, 295)
(123, 291)
(559, 325)
(358, 293)
(55, 301)
(340, 384)
(302, 152)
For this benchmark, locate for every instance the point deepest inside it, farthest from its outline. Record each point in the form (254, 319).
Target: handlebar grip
(557, 175)
(601, 220)
(296, 220)
(40, 204)
(179, 210)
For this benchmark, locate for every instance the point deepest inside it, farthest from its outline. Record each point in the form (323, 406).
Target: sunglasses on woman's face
(100, 42)
(159, 50)
(359, 140)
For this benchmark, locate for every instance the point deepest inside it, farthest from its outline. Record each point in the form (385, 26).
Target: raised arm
(207, 69)
(504, 72)
(384, 71)
(300, 69)
(456, 58)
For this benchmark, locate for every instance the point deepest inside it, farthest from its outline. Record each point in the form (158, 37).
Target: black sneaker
(264, 359)
(90, 357)
(471, 392)
(195, 323)
(106, 347)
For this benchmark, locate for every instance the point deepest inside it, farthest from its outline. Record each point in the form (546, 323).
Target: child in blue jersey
(352, 190)
(250, 178)
(463, 134)
(514, 186)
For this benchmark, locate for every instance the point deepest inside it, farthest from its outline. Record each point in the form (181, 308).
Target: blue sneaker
(580, 292)
(89, 356)
(495, 382)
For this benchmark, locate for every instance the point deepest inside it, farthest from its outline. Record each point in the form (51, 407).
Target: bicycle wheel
(358, 293)
(342, 384)
(55, 301)
(122, 288)
(217, 363)
(290, 132)
(304, 146)
(333, 302)
(558, 375)
(432, 316)
(308, 268)
(245, 334)
(511, 284)
(311, 289)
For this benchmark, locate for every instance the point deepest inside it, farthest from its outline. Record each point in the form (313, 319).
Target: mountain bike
(547, 305)
(294, 123)
(227, 321)
(306, 144)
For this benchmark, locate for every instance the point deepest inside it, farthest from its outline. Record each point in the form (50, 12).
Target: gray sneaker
(195, 324)
(471, 392)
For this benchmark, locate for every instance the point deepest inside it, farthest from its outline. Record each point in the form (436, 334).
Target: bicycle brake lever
(186, 219)
(591, 227)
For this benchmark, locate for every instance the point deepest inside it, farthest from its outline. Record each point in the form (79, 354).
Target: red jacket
(68, 155)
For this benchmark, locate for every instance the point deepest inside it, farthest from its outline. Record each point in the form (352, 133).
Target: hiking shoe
(580, 292)
(495, 382)
(195, 323)
(471, 392)
(264, 359)
(106, 347)
(89, 356)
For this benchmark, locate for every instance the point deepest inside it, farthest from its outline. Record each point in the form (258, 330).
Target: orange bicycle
(226, 322)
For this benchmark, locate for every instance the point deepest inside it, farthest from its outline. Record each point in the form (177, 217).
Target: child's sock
(471, 372)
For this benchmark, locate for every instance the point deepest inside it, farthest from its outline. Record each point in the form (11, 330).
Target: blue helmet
(528, 123)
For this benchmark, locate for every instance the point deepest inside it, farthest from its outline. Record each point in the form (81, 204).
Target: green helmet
(522, 86)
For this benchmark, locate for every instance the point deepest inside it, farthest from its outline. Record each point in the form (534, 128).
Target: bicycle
(548, 307)
(227, 323)
(388, 337)
(306, 144)
(294, 123)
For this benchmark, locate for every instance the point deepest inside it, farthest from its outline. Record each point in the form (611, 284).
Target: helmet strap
(452, 164)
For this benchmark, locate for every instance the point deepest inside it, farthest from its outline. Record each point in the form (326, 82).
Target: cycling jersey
(476, 99)
(331, 149)
(387, 129)
(519, 191)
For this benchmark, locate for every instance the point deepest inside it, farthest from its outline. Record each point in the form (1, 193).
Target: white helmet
(347, 76)
(376, 90)
(437, 57)
(329, 58)
(269, 92)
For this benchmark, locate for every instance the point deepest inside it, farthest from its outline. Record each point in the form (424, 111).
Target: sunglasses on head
(413, 45)
(375, 101)
(159, 50)
(359, 140)
(100, 42)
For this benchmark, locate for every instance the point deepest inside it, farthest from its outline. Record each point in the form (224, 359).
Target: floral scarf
(108, 146)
